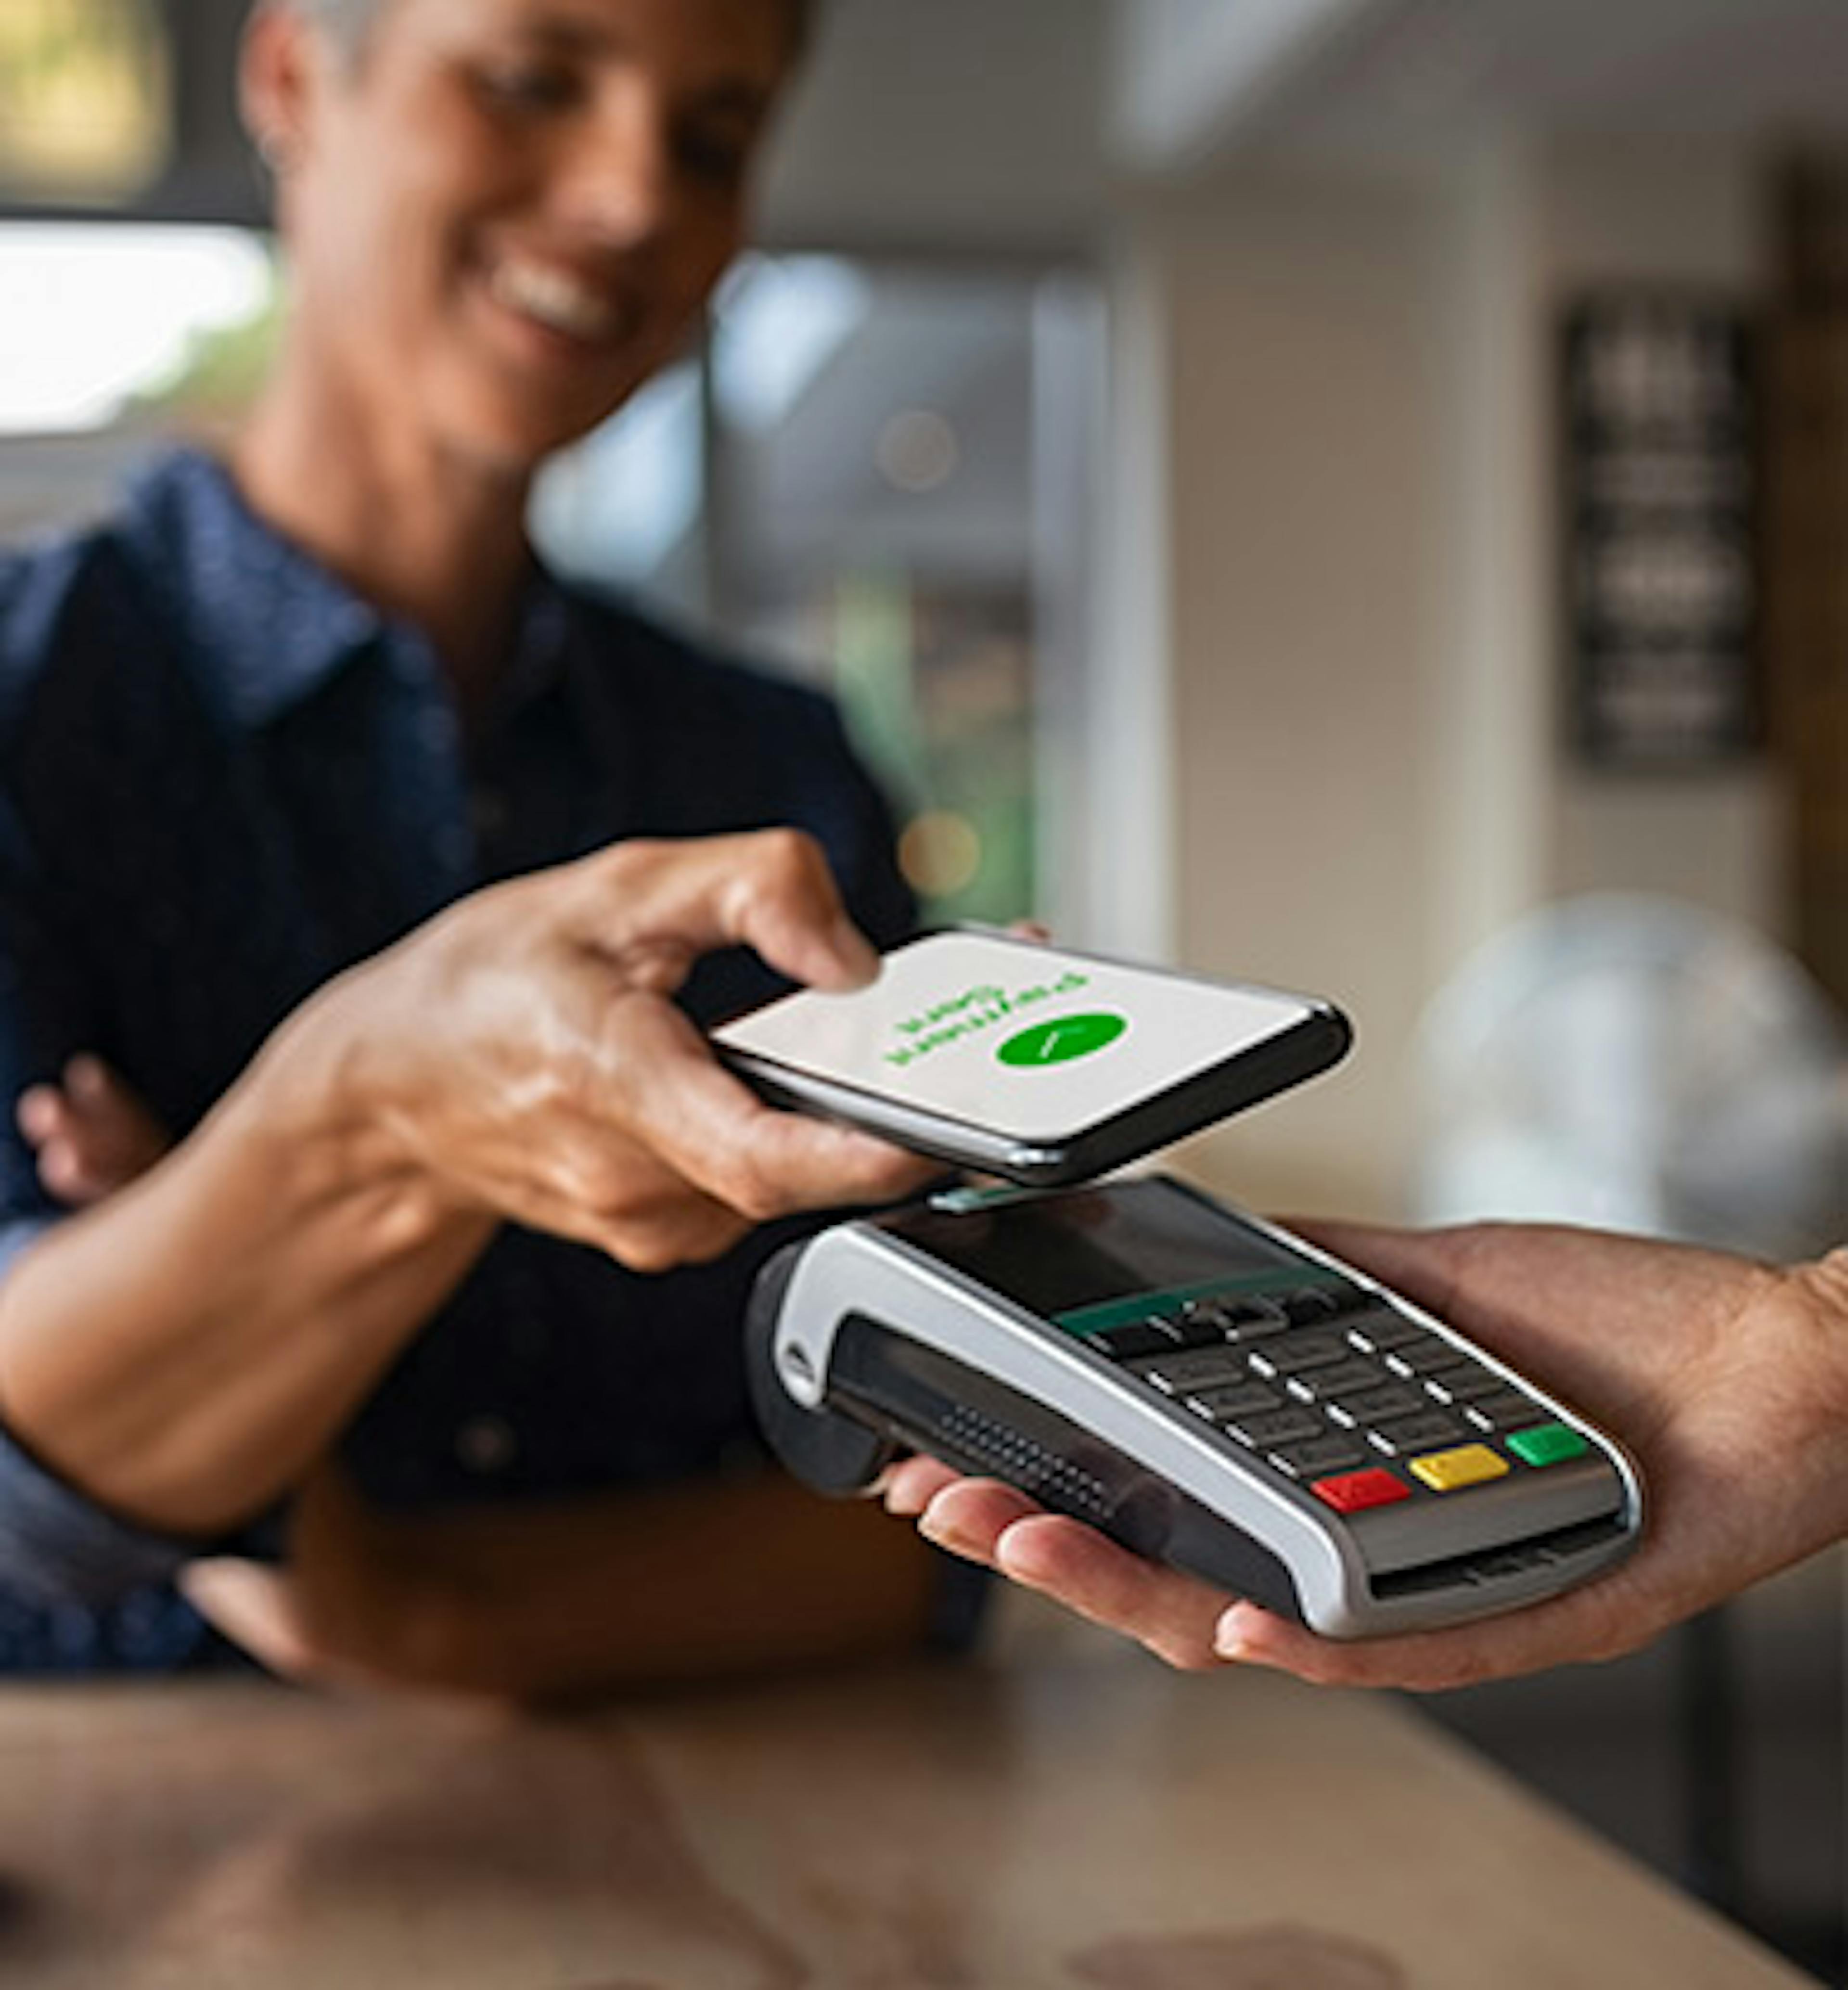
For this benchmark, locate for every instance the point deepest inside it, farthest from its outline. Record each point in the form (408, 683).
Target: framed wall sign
(1660, 488)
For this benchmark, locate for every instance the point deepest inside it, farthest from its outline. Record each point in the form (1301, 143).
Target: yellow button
(1469, 1464)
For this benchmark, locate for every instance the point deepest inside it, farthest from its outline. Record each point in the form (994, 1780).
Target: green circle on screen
(1060, 1042)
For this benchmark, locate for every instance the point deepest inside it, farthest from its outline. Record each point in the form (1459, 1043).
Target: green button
(1546, 1444)
(1060, 1042)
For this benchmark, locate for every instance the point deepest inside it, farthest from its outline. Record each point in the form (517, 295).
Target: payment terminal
(1207, 1389)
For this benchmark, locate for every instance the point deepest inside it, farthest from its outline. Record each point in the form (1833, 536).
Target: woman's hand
(521, 1055)
(1727, 1379)
(186, 1348)
(531, 1059)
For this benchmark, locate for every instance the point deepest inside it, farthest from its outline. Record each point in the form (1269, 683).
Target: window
(850, 480)
(86, 99)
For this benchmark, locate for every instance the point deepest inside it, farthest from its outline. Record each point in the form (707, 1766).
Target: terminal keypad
(1340, 1392)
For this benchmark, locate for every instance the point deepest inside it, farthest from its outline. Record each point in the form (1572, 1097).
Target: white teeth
(555, 301)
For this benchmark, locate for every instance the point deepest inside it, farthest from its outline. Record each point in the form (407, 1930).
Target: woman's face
(504, 214)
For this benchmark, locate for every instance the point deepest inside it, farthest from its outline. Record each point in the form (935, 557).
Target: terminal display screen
(1083, 1248)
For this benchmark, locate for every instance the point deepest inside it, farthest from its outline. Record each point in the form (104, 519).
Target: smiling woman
(508, 214)
(278, 745)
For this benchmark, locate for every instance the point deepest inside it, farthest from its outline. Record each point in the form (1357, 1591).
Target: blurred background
(1346, 493)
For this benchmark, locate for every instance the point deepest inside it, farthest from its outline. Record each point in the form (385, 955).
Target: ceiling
(1391, 70)
(1008, 123)
(1005, 125)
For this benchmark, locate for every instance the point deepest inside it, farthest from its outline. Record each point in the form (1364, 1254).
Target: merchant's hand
(1727, 1379)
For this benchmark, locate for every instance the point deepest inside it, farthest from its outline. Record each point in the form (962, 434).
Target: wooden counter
(1092, 1821)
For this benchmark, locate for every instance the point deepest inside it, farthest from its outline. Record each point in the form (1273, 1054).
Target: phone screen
(1026, 1040)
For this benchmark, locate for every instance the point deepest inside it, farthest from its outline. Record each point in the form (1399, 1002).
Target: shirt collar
(543, 643)
(268, 624)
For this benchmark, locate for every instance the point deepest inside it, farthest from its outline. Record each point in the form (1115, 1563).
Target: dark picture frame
(1659, 487)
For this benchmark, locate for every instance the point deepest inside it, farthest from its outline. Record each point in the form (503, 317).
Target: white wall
(1299, 489)
(1358, 598)
(1316, 736)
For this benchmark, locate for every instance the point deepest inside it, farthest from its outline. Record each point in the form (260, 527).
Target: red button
(1354, 1491)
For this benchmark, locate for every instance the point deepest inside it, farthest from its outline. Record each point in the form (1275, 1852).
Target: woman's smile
(585, 317)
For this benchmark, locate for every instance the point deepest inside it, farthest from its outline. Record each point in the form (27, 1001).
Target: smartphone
(1029, 1061)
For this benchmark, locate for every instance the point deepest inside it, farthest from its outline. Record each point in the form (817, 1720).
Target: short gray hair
(349, 21)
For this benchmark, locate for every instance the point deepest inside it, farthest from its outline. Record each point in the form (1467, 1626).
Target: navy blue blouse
(223, 778)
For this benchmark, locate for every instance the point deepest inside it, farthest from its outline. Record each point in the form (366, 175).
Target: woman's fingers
(669, 1092)
(255, 1608)
(656, 906)
(523, 1053)
(40, 1112)
(91, 1134)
